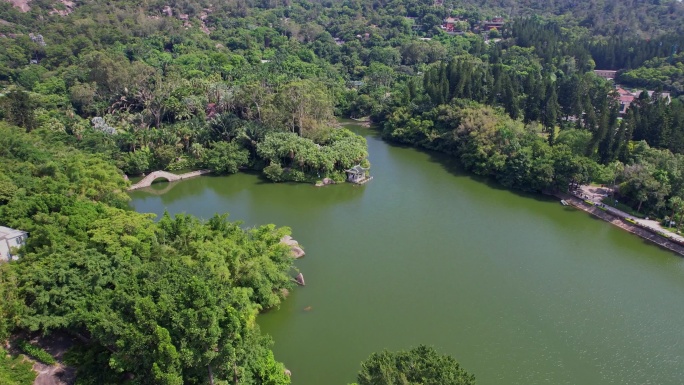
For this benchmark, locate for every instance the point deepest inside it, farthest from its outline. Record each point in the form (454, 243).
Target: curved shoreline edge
(622, 223)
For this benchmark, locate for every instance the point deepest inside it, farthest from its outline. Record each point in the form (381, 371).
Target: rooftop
(357, 170)
(7, 233)
(664, 95)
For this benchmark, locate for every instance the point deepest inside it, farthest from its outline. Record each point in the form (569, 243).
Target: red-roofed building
(496, 22)
(626, 98)
(606, 74)
(450, 24)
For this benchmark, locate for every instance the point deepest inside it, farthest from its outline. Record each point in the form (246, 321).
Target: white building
(10, 239)
(357, 174)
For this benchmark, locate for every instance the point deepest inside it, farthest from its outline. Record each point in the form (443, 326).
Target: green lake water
(519, 289)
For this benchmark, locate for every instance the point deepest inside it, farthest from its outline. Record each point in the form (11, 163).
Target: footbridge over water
(151, 177)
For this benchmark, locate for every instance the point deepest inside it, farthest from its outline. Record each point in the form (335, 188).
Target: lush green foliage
(489, 143)
(10, 301)
(15, 370)
(338, 150)
(419, 366)
(660, 72)
(36, 352)
(167, 302)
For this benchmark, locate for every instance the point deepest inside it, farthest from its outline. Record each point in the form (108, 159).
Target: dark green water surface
(520, 289)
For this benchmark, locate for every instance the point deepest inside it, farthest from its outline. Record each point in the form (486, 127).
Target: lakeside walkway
(641, 227)
(147, 181)
(597, 194)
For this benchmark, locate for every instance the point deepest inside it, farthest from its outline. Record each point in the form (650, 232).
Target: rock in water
(297, 252)
(300, 279)
(295, 249)
(288, 241)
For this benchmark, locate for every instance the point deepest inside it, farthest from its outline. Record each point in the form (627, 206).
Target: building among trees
(496, 23)
(628, 97)
(10, 239)
(357, 174)
(606, 74)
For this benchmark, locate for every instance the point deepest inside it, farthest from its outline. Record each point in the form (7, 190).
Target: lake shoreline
(531, 270)
(643, 232)
(621, 223)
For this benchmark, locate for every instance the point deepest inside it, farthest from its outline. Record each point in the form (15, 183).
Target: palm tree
(197, 150)
(185, 134)
(126, 141)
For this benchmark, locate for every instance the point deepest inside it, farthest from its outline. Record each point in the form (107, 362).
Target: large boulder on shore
(300, 279)
(295, 249)
(324, 182)
(297, 252)
(288, 240)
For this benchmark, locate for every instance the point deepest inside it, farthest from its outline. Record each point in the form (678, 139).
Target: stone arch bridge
(151, 177)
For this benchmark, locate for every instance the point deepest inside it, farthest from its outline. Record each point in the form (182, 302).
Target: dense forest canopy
(93, 90)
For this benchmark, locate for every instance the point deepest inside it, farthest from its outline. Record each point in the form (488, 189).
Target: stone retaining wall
(615, 219)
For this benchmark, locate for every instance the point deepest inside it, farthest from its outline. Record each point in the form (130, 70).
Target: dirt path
(57, 344)
(57, 374)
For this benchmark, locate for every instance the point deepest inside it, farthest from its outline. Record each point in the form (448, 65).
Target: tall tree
(20, 109)
(419, 366)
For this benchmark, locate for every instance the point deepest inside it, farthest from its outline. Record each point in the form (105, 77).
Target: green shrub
(135, 163)
(337, 176)
(296, 176)
(36, 352)
(15, 370)
(182, 164)
(274, 172)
